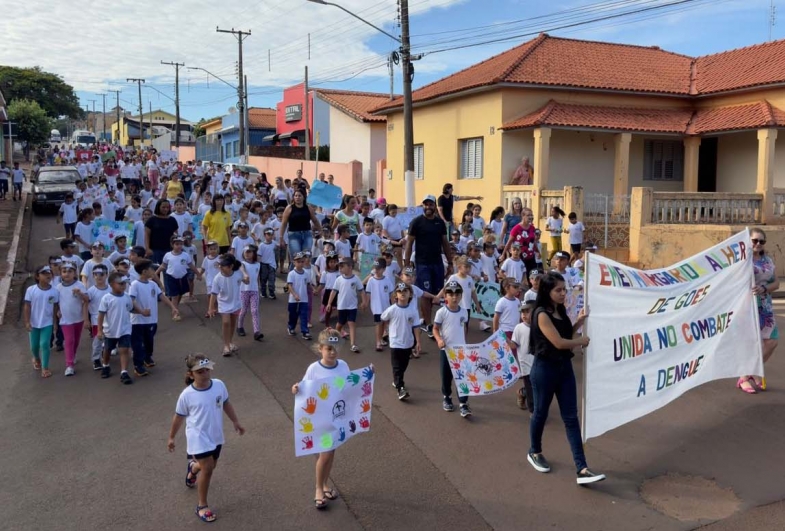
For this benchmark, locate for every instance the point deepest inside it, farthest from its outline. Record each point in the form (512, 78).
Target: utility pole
(141, 112)
(240, 35)
(176, 66)
(117, 110)
(150, 103)
(307, 115)
(103, 117)
(772, 18)
(93, 102)
(408, 121)
(391, 66)
(247, 124)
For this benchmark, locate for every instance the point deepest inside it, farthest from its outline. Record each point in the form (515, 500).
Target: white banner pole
(584, 351)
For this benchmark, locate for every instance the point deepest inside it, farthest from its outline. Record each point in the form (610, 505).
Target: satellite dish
(232, 110)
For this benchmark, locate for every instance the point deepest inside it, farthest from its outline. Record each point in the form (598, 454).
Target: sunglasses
(756, 241)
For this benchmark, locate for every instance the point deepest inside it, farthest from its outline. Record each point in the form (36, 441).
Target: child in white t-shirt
(68, 214)
(506, 316)
(297, 282)
(367, 242)
(379, 289)
(177, 263)
(514, 267)
(327, 280)
(202, 405)
(94, 295)
(249, 293)
(344, 294)
(575, 229)
(146, 293)
(225, 298)
(520, 343)
(268, 265)
(404, 321)
(72, 295)
(449, 330)
(41, 305)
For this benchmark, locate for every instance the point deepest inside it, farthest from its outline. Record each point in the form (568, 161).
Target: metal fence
(208, 147)
(607, 220)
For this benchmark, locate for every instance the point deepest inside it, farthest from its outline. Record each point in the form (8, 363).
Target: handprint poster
(483, 369)
(106, 231)
(330, 411)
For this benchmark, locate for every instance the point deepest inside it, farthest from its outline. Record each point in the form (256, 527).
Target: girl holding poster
(552, 339)
(329, 366)
(765, 284)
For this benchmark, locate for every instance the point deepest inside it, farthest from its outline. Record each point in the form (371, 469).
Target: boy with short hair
(298, 281)
(449, 330)
(345, 290)
(267, 264)
(95, 293)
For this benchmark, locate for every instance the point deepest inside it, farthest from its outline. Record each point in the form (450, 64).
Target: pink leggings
(250, 299)
(72, 333)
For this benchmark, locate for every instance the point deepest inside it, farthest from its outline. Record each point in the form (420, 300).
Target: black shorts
(575, 247)
(345, 316)
(215, 454)
(326, 296)
(377, 318)
(111, 343)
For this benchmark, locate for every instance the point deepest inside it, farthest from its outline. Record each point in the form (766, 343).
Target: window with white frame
(471, 158)
(663, 160)
(419, 162)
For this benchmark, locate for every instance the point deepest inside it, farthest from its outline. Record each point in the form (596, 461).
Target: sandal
(226, 353)
(36, 364)
(330, 494)
(206, 516)
(46, 373)
(192, 483)
(760, 385)
(745, 381)
(320, 504)
(233, 347)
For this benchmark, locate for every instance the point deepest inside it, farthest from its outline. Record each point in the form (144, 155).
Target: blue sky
(345, 53)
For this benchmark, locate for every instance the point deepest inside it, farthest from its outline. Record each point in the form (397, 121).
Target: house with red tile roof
(603, 116)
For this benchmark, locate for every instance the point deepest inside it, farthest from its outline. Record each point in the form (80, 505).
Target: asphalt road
(85, 453)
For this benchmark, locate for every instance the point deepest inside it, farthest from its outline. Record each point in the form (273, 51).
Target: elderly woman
(159, 230)
(524, 174)
(301, 221)
(765, 284)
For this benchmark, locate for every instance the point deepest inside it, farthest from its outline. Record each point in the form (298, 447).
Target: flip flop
(331, 494)
(320, 505)
(191, 484)
(226, 353)
(36, 364)
(207, 516)
(46, 373)
(233, 347)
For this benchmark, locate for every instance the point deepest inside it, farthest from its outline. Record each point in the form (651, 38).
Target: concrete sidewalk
(11, 223)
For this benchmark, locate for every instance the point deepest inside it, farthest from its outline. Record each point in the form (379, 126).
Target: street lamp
(408, 75)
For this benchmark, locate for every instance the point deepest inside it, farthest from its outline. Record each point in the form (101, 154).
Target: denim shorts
(111, 343)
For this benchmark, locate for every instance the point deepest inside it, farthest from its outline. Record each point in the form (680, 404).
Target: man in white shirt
(18, 180)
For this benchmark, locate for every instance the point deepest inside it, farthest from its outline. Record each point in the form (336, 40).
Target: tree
(33, 125)
(55, 96)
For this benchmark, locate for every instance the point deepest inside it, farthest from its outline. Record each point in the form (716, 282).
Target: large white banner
(657, 334)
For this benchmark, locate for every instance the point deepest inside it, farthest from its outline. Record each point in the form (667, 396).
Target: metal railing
(607, 219)
(706, 208)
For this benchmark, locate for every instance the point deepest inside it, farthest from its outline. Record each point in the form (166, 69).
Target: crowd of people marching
(253, 233)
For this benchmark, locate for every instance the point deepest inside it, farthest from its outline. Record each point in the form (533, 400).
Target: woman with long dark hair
(217, 224)
(301, 221)
(349, 216)
(553, 337)
(159, 230)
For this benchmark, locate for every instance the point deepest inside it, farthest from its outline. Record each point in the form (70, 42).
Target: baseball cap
(380, 262)
(345, 260)
(242, 224)
(203, 364)
(400, 286)
(120, 237)
(408, 271)
(269, 231)
(178, 239)
(562, 254)
(527, 305)
(250, 248)
(45, 269)
(331, 254)
(97, 244)
(429, 197)
(299, 255)
(68, 265)
(453, 287)
(212, 243)
(381, 201)
(456, 231)
(534, 273)
(516, 245)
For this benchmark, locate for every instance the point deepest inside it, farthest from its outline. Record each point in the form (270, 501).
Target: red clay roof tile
(356, 104)
(259, 118)
(736, 118)
(762, 64)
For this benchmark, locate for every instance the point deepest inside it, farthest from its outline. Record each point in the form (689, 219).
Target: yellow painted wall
(581, 158)
(660, 247)
(439, 127)
(737, 162)
(775, 96)
(636, 166)
(213, 128)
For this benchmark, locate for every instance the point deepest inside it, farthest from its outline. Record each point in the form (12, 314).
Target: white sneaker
(114, 352)
(69, 371)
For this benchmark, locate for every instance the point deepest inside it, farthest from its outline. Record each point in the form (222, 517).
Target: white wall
(378, 152)
(321, 121)
(737, 162)
(351, 140)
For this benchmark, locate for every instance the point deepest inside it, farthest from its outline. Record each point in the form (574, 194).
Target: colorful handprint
(367, 374)
(365, 406)
(514, 369)
(364, 423)
(307, 443)
(495, 344)
(451, 354)
(461, 355)
(342, 435)
(475, 388)
(507, 376)
(324, 392)
(499, 381)
(326, 441)
(352, 426)
(456, 364)
(497, 367)
(367, 389)
(310, 406)
(474, 356)
(354, 378)
(307, 425)
(459, 374)
(472, 377)
(339, 383)
(464, 388)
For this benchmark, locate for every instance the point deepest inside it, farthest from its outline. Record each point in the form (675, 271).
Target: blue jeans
(549, 378)
(300, 241)
(299, 310)
(142, 342)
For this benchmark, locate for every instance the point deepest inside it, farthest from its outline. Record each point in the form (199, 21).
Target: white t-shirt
(468, 288)
(42, 303)
(266, 253)
(347, 288)
(74, 259)
(87, 271)
(391, 271)
(19, 176)
(380, 290)
(146, 294)
(117, 253)
(369, 243)
(402, 320)
(68, 210)
(554, 226)
(210, 268)
(227, 291)
(520, 336)
(177, 265)
(252, 270)
(377, 214)
(203, 412)
(509, 313)
(85, 232)
(299, 285)
(328, 279)
(530, 295)
(95, 294)
(117, 314)
(239, 243)
(343, 248)
(576, 232)
(393, 226)
(451, 325)
(514, 269)
(140, 234)
(71, 302)
(489, 266)
(133, 214)
(317, 371)
(183, 222)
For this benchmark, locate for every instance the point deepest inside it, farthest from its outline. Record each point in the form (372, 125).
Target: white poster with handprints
(483, 369)
(330, 411)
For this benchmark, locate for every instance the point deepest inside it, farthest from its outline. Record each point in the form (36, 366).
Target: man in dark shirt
(429, 233)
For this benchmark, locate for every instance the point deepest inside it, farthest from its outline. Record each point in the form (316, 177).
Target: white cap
(429, 197)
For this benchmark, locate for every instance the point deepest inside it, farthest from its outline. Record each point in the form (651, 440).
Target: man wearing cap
(428, 233)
